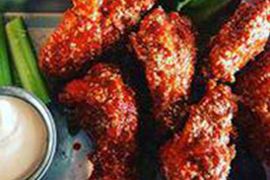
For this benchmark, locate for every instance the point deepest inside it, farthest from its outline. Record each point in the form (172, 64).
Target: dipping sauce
(23, 139)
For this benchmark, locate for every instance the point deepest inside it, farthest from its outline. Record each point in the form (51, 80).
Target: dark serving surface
(34, 5)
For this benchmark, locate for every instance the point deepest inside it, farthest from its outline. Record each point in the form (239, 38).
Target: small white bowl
(49, 122)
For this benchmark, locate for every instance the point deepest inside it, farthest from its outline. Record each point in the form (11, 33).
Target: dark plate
(70, 162)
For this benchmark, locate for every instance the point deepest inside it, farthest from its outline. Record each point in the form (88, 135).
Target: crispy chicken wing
(203, 150)
(89, 28)
(106, 108)
(253, 87)
(239, 40)
(165, 45)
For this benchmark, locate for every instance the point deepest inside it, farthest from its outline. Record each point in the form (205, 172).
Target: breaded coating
(106, 108)
(203, 150)
(239, 40)
(165, 46)
(88, 29)
(253, 87)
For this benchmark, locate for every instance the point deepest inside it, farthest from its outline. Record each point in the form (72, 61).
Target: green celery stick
(199, 10)
(202, 10)
(15, 76)
(182, 4)
(5, 73)
(25, 60)
(174, 5)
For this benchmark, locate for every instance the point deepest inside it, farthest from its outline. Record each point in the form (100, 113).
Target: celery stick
(15, 76)
(5, 74)
(202, 10)
(25, 60)
(182, 4)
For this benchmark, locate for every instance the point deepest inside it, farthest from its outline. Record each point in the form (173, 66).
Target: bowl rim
(47, 117)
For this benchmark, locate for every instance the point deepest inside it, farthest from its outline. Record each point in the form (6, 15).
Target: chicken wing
(239, 40)
(253, 88)
(107, 110)
(203, 150)
(88, 29)
(165, 46)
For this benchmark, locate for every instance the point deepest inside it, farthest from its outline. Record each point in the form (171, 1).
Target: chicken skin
(106, 108)
(203, 150)
(239, 40)
(253, 88)
(165, 46)
(88, 29)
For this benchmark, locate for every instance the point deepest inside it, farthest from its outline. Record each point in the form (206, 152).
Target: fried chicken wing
(203, 150)
(88, 29)
(253, 88)
(165, 46)
(239, 40)
(106, 108)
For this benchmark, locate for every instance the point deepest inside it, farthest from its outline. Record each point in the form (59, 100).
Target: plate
(70, 162)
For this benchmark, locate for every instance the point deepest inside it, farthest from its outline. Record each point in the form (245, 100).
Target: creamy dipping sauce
(23, 139)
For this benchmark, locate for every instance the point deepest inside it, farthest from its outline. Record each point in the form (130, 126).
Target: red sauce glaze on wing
(89, 28)
(239, 40)
(106, 108)
(165, 45)
(203, 151)
(253, 88)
